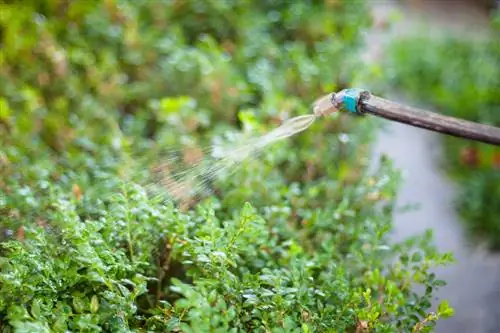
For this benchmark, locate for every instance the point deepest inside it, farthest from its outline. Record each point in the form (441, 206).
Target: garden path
(474, 280)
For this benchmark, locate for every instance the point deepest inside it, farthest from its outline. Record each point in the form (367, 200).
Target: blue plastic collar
(351, 99)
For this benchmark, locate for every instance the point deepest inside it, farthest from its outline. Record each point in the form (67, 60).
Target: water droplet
(344, 138)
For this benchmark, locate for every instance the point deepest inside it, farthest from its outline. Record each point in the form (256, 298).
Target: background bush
(461, 78)
(296, 241)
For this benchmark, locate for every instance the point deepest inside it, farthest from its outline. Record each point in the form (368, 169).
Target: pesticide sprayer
(361, 102)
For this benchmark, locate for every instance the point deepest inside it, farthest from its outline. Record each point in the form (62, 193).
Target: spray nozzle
(328, 104)
(347, 99)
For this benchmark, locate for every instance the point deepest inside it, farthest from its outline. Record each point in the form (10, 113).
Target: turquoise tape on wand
(351, 99)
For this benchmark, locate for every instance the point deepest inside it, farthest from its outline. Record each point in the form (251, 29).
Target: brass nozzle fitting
(328, 104)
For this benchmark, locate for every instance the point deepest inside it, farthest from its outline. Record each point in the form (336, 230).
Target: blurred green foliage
(296, 241)
(460, 77)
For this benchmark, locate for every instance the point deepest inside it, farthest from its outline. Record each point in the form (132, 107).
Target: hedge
(297, 240)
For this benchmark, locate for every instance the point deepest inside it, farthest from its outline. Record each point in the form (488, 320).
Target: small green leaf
(4, 109)
(78, 304)
(444, 309)
(94, 304)
(416, 257)
(35, 309)
(176, 104)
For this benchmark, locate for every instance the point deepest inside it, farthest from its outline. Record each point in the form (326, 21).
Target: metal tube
(428, 120)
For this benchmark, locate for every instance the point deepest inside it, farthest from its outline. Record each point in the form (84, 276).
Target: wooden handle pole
(428, 120)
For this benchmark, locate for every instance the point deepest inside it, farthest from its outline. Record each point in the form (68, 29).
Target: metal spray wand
(360, 102)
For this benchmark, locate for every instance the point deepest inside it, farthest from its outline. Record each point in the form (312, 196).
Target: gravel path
(474, 281)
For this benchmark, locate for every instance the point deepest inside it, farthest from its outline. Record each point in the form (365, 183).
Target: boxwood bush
(460, 78)
(295, 241)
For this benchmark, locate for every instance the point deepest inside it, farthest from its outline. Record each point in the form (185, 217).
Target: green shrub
(295, 241)
(460, 78)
